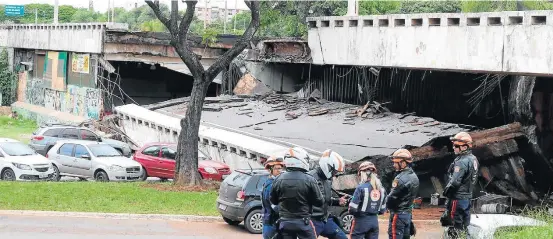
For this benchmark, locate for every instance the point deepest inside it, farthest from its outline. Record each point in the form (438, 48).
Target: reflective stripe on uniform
(353, 205)
(453, 209)
(351, 229)
(365, 200)
(313, 226)
(394, 225)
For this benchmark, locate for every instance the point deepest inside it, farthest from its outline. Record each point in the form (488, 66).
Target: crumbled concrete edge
(123, 216)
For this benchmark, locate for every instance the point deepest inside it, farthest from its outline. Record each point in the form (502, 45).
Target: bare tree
(186, 171)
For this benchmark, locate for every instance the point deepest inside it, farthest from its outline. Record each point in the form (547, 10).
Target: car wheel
(56, 176)
(101, 176)
(144, 175)
(8, 175)
(231, 222)
(254, 221)
(347, 219)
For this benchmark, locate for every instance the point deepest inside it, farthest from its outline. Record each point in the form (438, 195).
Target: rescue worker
(296, 192)
(404, 190)
(367, 203)
(270, 211)
(463, 173)
(330, 164)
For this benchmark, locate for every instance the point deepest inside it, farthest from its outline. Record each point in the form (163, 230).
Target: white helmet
(331, 162)
(297, 158)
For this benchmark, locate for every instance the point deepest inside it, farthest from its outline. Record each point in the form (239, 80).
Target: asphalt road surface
(31, 227)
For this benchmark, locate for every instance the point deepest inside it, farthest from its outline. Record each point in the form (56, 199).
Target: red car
(158, 160)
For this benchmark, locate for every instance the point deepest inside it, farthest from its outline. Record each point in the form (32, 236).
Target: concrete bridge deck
(502, 42)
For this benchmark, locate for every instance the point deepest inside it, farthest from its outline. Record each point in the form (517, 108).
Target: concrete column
(56, 10)
(353, 8)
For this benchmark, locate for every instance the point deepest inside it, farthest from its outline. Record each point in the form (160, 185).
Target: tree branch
(179, 35)
(238, 47)
(157, 11)
(186, 20)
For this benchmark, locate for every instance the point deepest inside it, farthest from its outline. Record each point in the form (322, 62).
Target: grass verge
(545, 231)
(104, 197)
(19, 129)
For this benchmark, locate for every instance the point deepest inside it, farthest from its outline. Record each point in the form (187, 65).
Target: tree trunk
(187, 148)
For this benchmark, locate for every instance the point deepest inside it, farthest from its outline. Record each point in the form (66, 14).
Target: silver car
(89, 159)
(45, 137)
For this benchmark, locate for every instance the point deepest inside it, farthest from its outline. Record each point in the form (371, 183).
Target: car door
(149, 159)
(82, 166)
(64, 157)
(88, 135)
(167, 161)
(70, 133)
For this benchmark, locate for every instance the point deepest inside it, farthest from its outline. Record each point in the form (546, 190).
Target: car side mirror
(85, 156)
(99, 139)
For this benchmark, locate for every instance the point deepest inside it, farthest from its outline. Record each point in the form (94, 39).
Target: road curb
(124, 216)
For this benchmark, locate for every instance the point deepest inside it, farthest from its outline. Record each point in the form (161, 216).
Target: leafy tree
(8, 80)
(537, 5)
(488, 6)
(152, 26)
(66, 13)
(186, 171)
(430, 6)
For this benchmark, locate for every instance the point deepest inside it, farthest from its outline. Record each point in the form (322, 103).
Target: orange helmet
(462, 138)
(367, 166)
(272, 161)
(402, 154)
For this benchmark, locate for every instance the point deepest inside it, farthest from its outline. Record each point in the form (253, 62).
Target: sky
(102, 5)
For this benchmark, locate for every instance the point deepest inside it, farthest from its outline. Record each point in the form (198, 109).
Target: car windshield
(201, 155)
(16, 149)
(103, 150)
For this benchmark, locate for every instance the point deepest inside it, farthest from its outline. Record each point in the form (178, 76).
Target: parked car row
(63, 150)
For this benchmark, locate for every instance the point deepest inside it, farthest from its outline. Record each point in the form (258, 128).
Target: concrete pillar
(353, 8)
(56, 10)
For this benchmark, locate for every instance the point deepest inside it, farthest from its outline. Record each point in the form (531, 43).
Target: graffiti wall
(81, 101)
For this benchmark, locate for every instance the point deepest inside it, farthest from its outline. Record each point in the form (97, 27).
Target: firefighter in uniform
(270, 211)
(330, 164)
(367, 203)
(404, 190)
(296, 193)
(463, 173)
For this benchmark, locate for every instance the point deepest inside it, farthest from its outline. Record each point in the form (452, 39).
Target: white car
(20, 162)
(484, 226)
(89, 159)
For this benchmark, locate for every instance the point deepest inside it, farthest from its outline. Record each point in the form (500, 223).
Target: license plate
(42, 175)
(222, 207)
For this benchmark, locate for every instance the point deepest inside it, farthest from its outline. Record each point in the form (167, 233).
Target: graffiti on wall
(81, 101)
(34, 93)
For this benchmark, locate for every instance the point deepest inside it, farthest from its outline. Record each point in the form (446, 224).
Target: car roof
(78, 141)
(7, 140)
(159, 144)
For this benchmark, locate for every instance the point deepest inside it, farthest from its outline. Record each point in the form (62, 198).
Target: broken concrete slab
(248, 85)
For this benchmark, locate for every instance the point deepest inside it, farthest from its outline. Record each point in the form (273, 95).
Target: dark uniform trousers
(364, 227)
(459, 213)
(297, 228)
(399, 225)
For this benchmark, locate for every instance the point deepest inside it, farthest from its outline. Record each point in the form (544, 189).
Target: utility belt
(305, 220)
